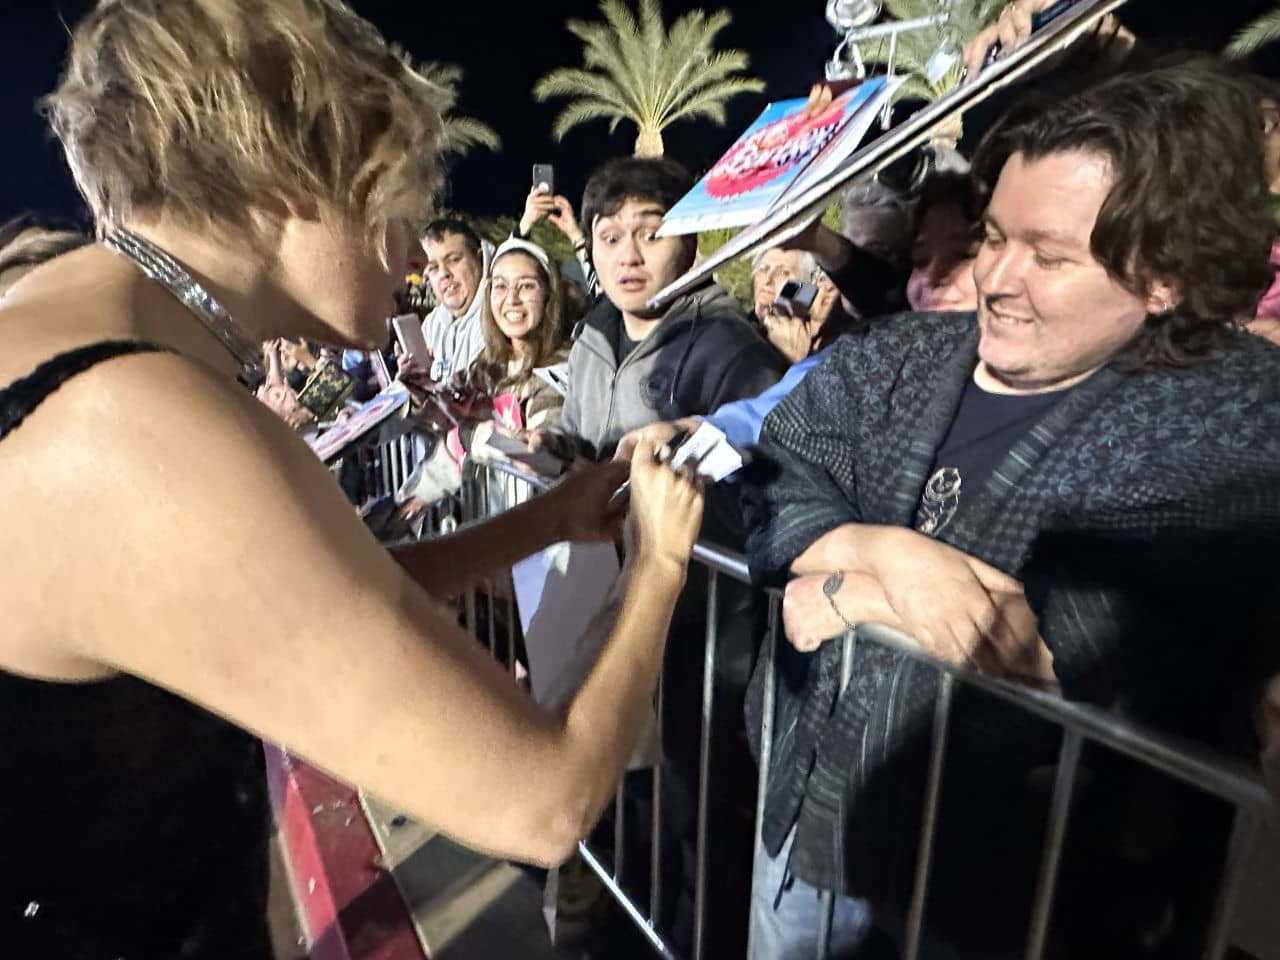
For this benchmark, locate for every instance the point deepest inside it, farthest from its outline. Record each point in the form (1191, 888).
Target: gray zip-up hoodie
(704, 353)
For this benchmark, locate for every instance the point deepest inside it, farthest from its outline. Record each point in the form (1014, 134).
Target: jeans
(790, 931)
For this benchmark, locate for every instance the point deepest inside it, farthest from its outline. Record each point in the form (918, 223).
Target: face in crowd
(1048, 312)
(632, 263)
(774, 268)
(942, 261)
(517, 295)
(454, 271)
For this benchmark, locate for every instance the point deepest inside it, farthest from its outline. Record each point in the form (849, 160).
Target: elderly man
(1078, 487)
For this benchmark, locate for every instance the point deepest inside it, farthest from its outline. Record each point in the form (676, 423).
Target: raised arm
(217, 559)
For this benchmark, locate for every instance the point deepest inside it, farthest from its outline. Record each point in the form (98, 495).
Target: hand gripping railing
(1202, 769)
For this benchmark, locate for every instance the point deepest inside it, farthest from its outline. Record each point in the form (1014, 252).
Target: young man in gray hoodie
(631, 366)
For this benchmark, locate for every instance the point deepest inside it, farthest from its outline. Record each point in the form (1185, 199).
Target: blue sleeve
(740, 421)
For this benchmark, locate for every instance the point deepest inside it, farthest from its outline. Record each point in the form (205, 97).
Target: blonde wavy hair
(199, 109)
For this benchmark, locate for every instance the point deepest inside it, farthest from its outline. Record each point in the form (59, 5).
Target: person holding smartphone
(543, 203)
(212, 585)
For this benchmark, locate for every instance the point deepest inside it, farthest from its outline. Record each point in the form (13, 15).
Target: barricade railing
(1200, 768)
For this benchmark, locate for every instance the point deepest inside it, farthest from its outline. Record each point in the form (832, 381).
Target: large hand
(562, 218)
(666, 511)
(957, 607)
(1109, 38)
(582, 503)
(791, 335)
(537, 205)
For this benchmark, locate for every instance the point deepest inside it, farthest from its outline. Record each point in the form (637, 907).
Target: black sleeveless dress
(133, 825)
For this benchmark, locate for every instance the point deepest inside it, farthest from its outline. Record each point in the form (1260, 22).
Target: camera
(795, 299)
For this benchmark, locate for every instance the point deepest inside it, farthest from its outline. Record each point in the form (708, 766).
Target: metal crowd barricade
(1200, 768)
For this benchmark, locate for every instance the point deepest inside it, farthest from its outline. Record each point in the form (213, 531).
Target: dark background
(504, 48)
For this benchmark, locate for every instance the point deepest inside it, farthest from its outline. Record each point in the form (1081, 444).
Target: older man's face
(774, 269)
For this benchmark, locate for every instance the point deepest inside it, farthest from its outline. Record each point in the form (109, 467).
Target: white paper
(559, 592)
(710, 449)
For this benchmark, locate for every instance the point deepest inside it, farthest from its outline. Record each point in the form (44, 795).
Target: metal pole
(924, 858)
(846, 659)
(620, 897)
(1243, 831)
(513, 616)
(704, 763)
(655, 856)
(826, 908)
(1059, 813)
(893, 28)
(392, 456)
(770, 654)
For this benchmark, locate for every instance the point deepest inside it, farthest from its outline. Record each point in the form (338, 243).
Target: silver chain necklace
(166, 271)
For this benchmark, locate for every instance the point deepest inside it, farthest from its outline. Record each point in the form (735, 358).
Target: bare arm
(576, 510)
(216, 558)
(954, 605)
(835, 550)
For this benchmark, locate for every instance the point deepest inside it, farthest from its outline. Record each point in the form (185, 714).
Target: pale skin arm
(216, 558)
(572, 511)
(957, 607)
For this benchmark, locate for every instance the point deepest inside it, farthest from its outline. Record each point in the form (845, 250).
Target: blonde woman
(184, 570)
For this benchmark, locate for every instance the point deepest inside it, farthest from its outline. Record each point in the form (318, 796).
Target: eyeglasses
(526, 288)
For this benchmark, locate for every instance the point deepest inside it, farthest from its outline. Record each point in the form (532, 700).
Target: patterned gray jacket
(1140, 512)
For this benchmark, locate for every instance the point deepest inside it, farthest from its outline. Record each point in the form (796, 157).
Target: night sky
(504, 48)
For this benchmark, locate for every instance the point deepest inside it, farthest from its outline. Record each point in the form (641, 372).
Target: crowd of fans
(1030, 417)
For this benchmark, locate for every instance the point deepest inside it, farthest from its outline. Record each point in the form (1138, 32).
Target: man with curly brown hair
(1079, 487)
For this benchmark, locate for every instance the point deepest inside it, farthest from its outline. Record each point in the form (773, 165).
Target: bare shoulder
(158, 488)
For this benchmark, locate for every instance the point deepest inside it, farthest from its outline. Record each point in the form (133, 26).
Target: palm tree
(637, 70)
(461, 134)
(1259, 33)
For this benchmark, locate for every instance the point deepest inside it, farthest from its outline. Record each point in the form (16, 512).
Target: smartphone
(543, 462)
(795, 299)
(327, 390)
(381, 372)
(408, 329)
(545, 173)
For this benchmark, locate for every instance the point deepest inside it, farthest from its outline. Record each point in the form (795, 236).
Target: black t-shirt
(985, 428)
(616, 332)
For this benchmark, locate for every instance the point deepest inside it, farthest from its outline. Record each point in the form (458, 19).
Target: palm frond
(572, 82)
(620, 41)
(602, 53)
(653, 40)
(580, 111)
(1261, 32)
(464, 134)
(709, 102)
(703, 70)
